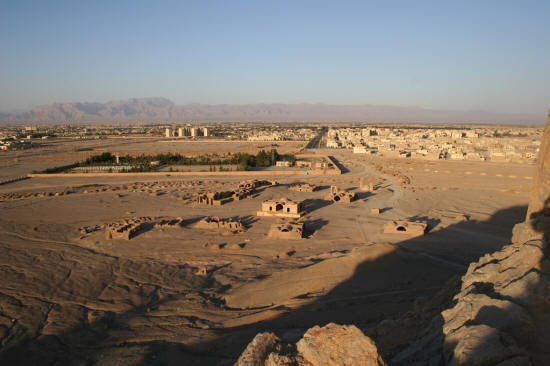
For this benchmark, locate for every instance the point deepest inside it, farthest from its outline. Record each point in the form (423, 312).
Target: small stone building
(341, 196)
(214, 198)
(365, 185)
(283, 207)
(405, 227)
(286, 231)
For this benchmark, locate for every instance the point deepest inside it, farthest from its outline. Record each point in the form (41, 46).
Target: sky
(449, 55)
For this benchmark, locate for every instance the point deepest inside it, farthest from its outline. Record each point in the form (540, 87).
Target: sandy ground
(69, 296)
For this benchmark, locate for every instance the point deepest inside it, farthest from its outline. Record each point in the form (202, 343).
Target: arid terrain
(176, 294)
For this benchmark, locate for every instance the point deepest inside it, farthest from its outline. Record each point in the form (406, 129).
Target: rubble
(217, 223)
(128, 228)
(304, 187)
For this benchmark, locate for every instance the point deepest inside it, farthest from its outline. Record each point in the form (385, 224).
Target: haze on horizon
(468, 55)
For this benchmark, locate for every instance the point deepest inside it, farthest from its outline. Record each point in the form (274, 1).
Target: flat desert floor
(176, 295)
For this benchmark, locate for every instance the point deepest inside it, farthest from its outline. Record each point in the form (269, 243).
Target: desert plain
(175, 294)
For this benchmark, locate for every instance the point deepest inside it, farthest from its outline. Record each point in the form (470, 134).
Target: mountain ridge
(158, 109)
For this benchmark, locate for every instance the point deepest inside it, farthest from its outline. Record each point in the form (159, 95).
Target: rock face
(537, 222)
(492, 320)
(539, 203)
(331, 345)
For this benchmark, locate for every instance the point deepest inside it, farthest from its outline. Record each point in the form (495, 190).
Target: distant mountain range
(164, 110)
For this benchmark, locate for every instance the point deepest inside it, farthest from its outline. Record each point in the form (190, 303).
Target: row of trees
(145, 162)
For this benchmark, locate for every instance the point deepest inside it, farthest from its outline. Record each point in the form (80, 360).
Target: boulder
(258, 350)
(338, 345)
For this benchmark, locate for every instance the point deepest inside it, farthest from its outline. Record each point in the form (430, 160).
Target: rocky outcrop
(331, 345)
(537, 222)
(492, 320)
(539, 204)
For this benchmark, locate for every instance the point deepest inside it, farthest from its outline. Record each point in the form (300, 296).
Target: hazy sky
(462, 55)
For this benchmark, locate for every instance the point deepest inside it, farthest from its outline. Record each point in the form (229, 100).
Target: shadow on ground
(380, 289)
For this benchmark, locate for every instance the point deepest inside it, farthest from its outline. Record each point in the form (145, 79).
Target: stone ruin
(404, 227)
(339, 195)
(245, 189)
(167, 223)
(248, 187)
(286, 231)
(126, 229)
(304, 187)
(126, 232)
(366, 186)
(241, 194)
(255, 183)
(214, 198)
(283, 207)
(217, 223)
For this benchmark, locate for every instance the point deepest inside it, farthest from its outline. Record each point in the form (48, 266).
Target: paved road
(315, 143)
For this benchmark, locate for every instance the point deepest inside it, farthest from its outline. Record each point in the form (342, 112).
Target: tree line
(149, 162)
